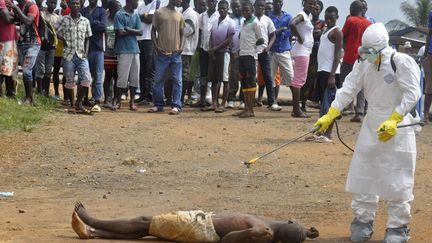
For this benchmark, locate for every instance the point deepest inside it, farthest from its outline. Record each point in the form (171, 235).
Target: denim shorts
(81, 66)
(28, 54)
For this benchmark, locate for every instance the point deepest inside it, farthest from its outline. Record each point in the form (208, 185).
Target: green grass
(17, 117)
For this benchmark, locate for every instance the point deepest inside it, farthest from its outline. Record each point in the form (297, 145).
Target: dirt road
(126, 164)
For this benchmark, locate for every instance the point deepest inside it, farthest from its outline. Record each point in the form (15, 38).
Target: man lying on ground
(191, 226)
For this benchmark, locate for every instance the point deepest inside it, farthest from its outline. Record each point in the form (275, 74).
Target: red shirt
(33, 10)
(353, 31)
(8, 30)
(66, 11)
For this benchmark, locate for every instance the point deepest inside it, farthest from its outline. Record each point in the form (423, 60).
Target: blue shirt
(126, 44)
(98, 23)
(282, 42)
(430, 27)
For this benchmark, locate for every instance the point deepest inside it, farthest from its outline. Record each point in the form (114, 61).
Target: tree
(417, 13)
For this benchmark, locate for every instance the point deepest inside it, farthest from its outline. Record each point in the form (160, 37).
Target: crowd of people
(160, 55)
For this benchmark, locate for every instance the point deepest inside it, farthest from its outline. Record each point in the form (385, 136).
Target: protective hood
(375, 36)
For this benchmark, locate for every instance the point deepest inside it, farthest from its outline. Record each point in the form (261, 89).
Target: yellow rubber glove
(388, 128)
(324, 122)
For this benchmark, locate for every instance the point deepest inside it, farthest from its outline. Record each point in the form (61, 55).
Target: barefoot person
(191, 226)
(250, 38)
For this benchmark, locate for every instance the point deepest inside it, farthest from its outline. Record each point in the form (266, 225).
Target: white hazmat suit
(382, 169)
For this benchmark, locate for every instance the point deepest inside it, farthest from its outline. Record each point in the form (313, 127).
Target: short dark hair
(247, 3)
(356, 8)
(222, 2)
(332, 9)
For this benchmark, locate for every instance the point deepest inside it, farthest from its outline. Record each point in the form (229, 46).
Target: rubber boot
(82, 91)
(66, 94)
(260, 95)
(189, 86)
(361, 232)
(397, 235)
(46, 86)
(39, 85)
(69, 93)
(132, 105)
(10, 87)
(28, 87)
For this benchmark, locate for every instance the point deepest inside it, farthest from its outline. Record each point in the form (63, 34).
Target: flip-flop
(83, 111)
(207, 108)
(246, 115)
(300, 115)
(154, 109)
(312, 138)
(220, 110)
(323, 139)
(96, 108)
(238, 113)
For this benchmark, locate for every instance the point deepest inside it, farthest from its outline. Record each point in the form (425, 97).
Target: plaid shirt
(74, 32)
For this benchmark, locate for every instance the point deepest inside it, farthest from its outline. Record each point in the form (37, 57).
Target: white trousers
(284, 62)
(364, 207)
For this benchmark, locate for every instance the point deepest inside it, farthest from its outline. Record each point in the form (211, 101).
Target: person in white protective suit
(384, 160)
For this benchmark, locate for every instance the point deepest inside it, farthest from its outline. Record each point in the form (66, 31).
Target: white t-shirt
(249, 35)
(326, 51)
(205, 25)
(149, 9)
(267, 27)
(191, 31)
(305, 29)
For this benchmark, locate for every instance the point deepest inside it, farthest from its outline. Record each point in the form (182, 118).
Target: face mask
(368, 54)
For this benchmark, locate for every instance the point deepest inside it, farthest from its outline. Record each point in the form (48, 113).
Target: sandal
(115, 107)
(174, 111)
(247, 115)
(154, 109)
(239, 113)
(207, 108)
(312, 138)
(133, 108)
(300, 115)
(220, 110)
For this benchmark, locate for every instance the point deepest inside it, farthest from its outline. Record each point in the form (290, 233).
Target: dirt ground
(126, 164)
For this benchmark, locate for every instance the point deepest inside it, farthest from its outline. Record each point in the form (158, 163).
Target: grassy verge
(14, 116)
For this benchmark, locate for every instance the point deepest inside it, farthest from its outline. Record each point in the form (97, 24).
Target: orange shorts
(260, 78)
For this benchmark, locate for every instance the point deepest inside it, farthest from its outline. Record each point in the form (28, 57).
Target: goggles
(368, 53)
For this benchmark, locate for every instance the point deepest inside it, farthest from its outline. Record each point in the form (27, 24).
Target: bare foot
(81, 212)
(79, 227)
